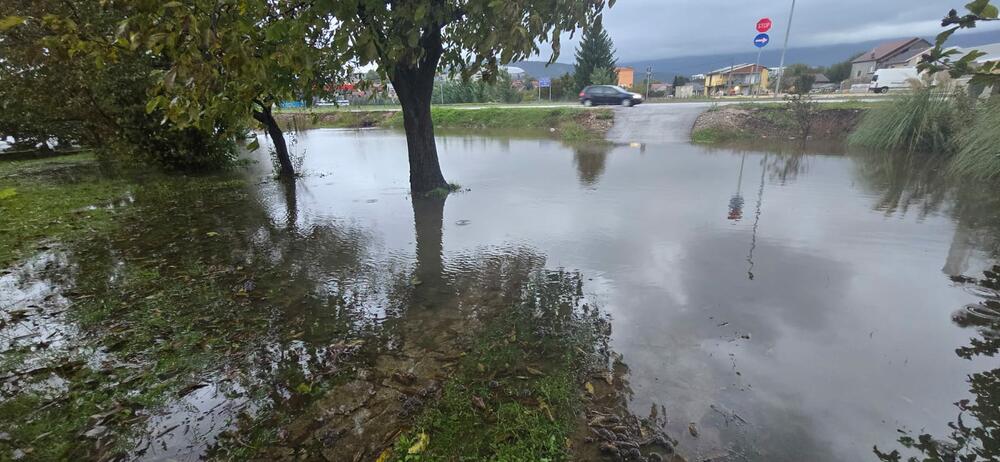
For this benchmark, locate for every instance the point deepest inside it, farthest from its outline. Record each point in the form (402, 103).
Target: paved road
(655, 123)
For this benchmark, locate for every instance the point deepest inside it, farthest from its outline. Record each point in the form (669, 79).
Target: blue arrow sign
(761, 40)
(544, 82)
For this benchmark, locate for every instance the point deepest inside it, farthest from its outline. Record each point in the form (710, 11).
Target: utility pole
(760, 75)
(781, 64)
(649, 76)
(729, 77)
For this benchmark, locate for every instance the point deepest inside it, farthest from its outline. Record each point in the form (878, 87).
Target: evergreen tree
(594, 55)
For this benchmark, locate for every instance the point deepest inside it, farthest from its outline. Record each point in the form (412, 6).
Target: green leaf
(990, 12)
(11, 22)
(152, 104)
(977, 6)
(254, 145)
(7, 193)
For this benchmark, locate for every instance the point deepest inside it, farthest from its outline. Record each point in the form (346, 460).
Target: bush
(918, 122)
(978, 147)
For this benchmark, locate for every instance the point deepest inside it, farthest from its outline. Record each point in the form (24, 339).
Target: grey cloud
(654, 29)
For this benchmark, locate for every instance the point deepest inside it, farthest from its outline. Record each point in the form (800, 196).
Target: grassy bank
(568, 123)
(777, 121)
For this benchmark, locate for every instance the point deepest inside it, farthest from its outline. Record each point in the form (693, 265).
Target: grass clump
(517, 394)
(444, 191)
(919, 121)
(978, 146)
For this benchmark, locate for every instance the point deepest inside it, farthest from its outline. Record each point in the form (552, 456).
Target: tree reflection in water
(975, 432)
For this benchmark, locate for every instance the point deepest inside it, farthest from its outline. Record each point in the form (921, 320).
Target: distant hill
(539, 69)
(665, 69)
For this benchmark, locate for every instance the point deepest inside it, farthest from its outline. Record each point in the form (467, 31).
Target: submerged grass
(978, 146)
(919, 121)
(57, 198)
(517, 394)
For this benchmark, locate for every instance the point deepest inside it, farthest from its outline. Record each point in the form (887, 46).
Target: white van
(886, 79)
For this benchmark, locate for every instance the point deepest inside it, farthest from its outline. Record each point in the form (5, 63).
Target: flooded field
(757, 304)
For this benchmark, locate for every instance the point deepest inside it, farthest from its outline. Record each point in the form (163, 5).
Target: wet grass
(160, 327)
(919, 121)
(717, 135)
(518, 393)
(53, 199)
(568, 123)
(978, 145)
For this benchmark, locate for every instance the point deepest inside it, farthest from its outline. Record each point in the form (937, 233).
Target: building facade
(739, 79)
(626, 76)
(886, 55)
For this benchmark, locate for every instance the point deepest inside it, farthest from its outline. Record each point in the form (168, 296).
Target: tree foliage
(838, 72)
(76, 81)
(594, 55)
(410, 41)
(950, 59)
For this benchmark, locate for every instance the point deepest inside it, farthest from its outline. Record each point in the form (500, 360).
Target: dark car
(608, 94)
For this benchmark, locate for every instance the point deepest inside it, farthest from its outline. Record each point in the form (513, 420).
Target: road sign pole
(760, 75)
(781, 65)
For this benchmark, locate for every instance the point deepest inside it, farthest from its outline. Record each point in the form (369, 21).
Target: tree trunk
(264, 116)
(414, 84)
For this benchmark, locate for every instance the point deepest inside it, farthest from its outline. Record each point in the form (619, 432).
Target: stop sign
(764, 25)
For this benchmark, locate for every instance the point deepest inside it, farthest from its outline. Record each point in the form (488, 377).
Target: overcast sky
(654, 29)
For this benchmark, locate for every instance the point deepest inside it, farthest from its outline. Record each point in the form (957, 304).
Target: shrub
(978, 147)
(920, 121)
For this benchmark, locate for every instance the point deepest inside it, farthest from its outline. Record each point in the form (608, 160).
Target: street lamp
(781, 65)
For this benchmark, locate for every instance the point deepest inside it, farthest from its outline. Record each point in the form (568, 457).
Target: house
(738, 79)
(658, 87)
(889, 54)
(626, 76)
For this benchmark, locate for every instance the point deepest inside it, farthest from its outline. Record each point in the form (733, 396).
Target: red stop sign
(764, 25)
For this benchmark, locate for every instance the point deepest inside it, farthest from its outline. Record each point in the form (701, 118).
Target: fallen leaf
(478, 402)
(385, 455)
(590, 387)
(693, 430)
(533, 371)
(211, 234)
(420, 445)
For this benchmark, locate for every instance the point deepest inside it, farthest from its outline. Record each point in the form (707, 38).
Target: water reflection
(975, 432)
(590, 162)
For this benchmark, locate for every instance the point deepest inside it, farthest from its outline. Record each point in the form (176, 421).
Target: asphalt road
(655, 123)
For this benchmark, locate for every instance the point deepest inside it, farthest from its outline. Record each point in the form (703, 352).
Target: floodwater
(788, 304)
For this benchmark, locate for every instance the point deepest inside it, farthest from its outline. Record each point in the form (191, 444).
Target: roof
(992, 51)
(746, 68)
(883, 50)
(904, 57)
(821, 78)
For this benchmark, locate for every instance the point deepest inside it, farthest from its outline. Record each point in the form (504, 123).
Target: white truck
(889, 79)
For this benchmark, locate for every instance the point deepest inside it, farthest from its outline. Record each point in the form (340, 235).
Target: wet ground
(761, 303)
